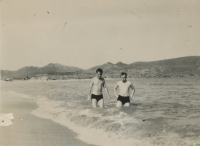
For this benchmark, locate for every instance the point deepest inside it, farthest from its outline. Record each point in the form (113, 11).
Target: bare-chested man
(95, 90)
(123, 97)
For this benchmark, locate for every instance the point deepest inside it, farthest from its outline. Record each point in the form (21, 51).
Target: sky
(86, 33)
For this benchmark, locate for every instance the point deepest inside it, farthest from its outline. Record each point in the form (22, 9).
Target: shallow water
(162, 112)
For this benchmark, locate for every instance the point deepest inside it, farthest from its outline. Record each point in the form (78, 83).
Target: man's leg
(101, 103)
(119, 104)
(127, 104)
(94, 103)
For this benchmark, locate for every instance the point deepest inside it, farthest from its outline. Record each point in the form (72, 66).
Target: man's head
(99, 72)
(123, 76)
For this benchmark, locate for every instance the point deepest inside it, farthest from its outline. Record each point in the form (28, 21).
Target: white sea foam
(50, 110)
(6, 119)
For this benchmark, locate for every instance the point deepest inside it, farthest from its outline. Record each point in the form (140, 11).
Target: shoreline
(29, 130)
(75, 80)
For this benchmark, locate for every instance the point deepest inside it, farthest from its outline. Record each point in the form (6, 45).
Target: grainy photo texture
(100, 73)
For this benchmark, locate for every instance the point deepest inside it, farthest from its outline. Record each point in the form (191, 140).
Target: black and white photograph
(99, 73)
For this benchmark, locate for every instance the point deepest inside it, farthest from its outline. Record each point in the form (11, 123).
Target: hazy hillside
(184, 66)
(53, 68)
(177, 67)
(48, 69)
(109, 67)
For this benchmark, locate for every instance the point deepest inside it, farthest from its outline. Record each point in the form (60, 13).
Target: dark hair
(99, 70)
(123, 73)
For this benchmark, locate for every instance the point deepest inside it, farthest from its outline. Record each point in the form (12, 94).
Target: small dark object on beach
(3, 121)
(143, 120)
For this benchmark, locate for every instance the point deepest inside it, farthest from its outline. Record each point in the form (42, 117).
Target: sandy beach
(29, 130)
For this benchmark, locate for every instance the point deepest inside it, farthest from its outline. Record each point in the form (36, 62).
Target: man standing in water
(123, 97)
(96, 86)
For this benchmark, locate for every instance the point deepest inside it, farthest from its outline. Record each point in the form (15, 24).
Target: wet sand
(29, 130)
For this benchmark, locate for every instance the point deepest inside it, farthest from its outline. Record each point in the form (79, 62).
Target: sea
(163, 111)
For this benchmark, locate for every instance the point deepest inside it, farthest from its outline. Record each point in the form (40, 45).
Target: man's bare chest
(98, 82)
(124, 85)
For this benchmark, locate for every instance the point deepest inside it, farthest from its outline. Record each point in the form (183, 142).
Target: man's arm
(106, 89)
(133, 88)
(89, 95)
(115, 90)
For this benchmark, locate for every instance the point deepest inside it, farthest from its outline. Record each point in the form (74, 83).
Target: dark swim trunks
(124, 99)
(97, 97)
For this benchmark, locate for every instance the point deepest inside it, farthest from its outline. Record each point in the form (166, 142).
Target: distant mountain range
(48, 69)
(177, 66)
(183, 66)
